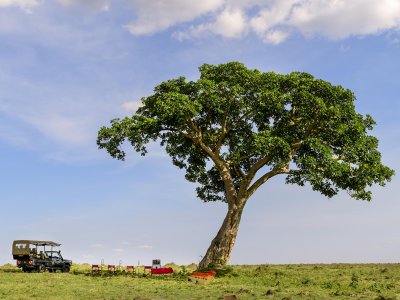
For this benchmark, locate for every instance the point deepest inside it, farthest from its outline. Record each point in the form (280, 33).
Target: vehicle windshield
(53, 254)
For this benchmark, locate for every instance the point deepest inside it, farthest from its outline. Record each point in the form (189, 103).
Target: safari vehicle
(32, 255)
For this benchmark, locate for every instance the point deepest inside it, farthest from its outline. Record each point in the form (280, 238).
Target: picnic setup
(154, 269)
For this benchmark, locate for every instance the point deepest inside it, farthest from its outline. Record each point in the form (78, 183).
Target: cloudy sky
(68, 67)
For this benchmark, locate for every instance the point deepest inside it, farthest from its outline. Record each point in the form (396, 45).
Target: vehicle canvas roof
(37, 243)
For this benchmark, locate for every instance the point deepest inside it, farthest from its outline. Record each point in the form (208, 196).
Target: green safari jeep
(32, 255)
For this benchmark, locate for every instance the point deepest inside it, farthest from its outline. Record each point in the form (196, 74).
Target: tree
(235, 128)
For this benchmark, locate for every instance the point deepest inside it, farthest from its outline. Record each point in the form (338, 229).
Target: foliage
(245, 121)
(335, 281)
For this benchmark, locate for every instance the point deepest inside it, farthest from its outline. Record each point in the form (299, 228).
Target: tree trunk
(221, 246)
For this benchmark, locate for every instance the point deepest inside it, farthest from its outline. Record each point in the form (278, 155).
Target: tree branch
(196, 129)
(257, 166)
(265, 177)
(235, 123)
(221, 165)
(223, 132)
(239, 170)
(296, 145)
(223, 168)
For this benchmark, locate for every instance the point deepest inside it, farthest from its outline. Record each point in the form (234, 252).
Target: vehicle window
(53, 254)
(21, 246)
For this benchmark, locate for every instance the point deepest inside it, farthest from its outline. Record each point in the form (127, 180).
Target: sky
(68, 67)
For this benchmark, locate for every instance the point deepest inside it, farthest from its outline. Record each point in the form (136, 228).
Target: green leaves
(276, 148)
(172, 103)
(233, 122)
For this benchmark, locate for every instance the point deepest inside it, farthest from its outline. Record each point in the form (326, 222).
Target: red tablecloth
(162, 271)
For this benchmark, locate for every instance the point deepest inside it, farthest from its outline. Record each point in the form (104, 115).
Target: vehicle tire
(41, 268)
(65, 269)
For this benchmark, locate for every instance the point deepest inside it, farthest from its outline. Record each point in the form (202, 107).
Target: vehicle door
(56, 259)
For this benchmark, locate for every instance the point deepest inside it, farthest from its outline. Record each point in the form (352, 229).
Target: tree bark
(221, 246)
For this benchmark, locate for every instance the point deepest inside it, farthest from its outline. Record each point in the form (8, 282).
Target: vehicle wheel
(65, 269)
(41, 268)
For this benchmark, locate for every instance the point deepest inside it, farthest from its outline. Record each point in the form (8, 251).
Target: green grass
(333, 281)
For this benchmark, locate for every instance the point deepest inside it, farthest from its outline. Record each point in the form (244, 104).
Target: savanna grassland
(333, 281)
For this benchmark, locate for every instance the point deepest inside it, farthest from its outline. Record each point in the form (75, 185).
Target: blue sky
(67, 68)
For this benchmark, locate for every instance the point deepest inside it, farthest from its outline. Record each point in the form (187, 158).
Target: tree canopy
(234, 128)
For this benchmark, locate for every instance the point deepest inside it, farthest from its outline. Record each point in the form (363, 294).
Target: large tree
(235, 128)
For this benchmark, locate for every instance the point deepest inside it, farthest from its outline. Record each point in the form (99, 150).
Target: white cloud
(97, 246)
(118, 251)
(103, 5)
(266, 21)
(340, 19)
(67, 128)
(275, 37)
(155, 16)
(63, 129)
(26, 5)
(273, 21)
(230, 23)
(131, 106)
(145, 247)
(270, 16)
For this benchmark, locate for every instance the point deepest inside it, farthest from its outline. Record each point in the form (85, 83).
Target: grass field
(333, 281)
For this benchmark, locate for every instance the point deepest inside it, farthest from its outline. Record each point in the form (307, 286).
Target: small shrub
(374, 288)
(244, 291)
(269, 293)
(336, 293)
(225, 271)
(278, 273)
(306, 281)
(382, 297)
(222, 271)
(354, 280)
(328, 285)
